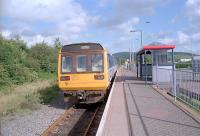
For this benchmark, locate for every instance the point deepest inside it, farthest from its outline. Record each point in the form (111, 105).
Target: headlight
(64, 78)
(98, 77)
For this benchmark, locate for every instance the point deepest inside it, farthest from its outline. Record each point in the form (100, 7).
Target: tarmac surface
(137, 109)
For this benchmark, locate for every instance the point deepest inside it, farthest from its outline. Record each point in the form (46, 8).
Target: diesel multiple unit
(85, 71)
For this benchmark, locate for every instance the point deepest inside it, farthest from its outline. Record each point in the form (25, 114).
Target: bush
(4, 76)
(22, 74)
(19, 64)
(48, 94)
(45, 56)
(32, 64)
(183, 65)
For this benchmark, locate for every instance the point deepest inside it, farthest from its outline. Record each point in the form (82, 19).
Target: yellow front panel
(84, 81)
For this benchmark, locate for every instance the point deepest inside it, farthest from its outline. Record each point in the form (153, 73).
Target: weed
(27, 97)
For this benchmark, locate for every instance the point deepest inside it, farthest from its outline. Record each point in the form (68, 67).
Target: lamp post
(133, 55)
(140, 35)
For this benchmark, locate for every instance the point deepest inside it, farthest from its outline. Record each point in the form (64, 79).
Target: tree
(45, 55)
(57, 45)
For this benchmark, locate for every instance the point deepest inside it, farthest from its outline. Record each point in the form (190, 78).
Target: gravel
(32, 124)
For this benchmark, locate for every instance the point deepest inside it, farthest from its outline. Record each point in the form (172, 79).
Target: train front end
(82, 72)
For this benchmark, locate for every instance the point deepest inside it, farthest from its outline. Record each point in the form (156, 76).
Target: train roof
(82, 46)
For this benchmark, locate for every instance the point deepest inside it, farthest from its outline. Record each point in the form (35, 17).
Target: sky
(107, 22)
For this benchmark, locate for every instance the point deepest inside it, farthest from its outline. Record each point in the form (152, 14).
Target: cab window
(66, 64)
(81, 63)
(97, 63)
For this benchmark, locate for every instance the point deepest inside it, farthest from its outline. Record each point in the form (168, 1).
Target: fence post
(145, 67)
(173, 75)
(157, 75)
(0, 125)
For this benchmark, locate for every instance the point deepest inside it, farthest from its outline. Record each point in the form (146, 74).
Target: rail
(50, 130)
(91, 122)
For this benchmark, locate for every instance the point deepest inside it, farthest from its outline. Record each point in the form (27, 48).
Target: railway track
(78, 120)
(51, 130)
(88, 123)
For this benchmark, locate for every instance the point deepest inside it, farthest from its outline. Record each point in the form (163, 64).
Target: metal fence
(186, 85)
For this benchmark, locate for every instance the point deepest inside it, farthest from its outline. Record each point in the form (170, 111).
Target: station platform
(136, 109)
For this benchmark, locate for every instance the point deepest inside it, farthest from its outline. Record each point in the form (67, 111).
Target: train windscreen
(66, 64)
(97, 63)
(81, 63)
(78, 63)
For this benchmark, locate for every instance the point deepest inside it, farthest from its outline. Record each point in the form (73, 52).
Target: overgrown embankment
(20, 64)
(27, 97)
(27, 74)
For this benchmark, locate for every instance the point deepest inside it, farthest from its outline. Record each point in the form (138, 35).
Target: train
(85, 72)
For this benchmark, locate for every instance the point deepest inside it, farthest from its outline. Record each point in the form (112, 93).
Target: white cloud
(183, 38)
(188, 37)
(192, 11)
(165, 37)
(6, 33)
(33, 39)
(128, 25)
(124, 16)
(103, 3)
(67, 17)
(166, 40)
(123, 10)
(134, 7)
(45, 10)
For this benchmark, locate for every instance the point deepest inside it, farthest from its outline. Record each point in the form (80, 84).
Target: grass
(48, 94)
(27, 97)
(46, 75)
(42, 76)
(191, 101)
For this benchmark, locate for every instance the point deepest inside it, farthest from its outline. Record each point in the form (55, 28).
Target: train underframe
(84, 96)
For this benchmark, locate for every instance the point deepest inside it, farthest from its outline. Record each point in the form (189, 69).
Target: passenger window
(81, 63)
(97, 63)
(110, 61)
(66, 64)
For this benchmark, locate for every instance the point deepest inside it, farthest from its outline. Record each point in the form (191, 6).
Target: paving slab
(152, 114)
(136, 109)
(115, 123)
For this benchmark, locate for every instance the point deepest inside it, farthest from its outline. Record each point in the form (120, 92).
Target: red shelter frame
(145, 50)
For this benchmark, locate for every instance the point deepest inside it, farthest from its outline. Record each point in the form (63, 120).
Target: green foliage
(121, 57)
(57, 44)
(120, 61)
(32, 63)
(19, 64)
(148, 59)
(45, 56)
(4, 76)
(183, 65)
(49, 94)
(23, 74)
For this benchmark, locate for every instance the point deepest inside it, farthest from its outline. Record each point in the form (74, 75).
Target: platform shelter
(152, 57)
